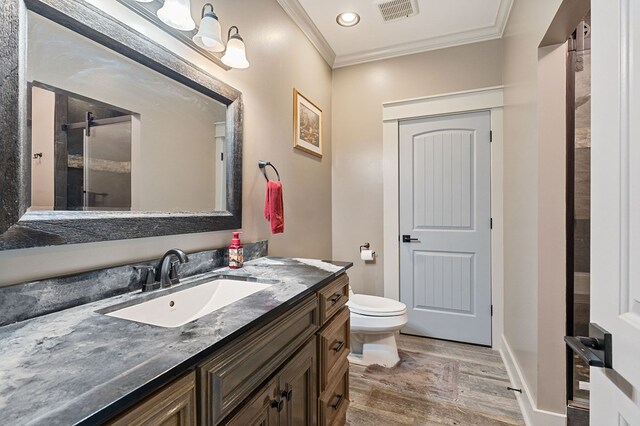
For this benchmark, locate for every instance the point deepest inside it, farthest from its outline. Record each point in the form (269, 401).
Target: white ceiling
(440, 23)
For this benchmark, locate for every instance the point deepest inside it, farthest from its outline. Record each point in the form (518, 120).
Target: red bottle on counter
(236, 255)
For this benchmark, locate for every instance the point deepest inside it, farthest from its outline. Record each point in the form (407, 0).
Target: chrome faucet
(167, 273)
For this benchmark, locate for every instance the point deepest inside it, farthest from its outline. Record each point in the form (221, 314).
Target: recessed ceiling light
(348, 19)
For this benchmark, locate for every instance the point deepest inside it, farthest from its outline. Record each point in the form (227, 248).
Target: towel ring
(263, 165)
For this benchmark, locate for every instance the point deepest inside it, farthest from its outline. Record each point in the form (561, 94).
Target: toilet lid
(364, 304)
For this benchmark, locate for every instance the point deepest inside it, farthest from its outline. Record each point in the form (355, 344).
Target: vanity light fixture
(235, 55)
(209, 34)
(177, 14)
(145, 1)
(348, 19)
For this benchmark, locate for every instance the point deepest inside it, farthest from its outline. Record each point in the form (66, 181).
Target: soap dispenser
(236, 255)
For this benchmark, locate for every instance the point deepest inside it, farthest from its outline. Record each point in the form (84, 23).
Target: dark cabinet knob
(277, 404)
(287, 395)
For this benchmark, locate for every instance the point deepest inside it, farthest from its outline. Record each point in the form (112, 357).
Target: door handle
(408, 239)
(596, 349)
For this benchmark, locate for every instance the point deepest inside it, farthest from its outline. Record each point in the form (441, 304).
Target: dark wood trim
(18, 230)
(570, 205)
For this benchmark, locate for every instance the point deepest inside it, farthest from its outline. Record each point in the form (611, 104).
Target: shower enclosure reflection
(83, 160)
(109, 134)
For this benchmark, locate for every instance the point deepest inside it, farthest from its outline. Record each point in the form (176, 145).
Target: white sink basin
(181, 307)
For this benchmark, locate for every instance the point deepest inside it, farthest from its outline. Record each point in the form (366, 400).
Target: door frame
(485, 99)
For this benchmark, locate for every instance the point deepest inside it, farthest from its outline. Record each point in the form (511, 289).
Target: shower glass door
(107, 165)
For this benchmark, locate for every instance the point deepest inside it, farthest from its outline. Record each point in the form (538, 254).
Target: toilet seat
(375, 306)
(375, 324)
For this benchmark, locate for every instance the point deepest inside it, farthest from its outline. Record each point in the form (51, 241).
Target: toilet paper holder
(367, 246)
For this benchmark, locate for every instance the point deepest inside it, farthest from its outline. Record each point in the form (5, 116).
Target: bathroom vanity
(295, 365)
(277, 356)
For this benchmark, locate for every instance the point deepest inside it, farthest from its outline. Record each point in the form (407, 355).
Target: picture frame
(307, 125)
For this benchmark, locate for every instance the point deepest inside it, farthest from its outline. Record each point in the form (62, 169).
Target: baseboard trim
(532, 415)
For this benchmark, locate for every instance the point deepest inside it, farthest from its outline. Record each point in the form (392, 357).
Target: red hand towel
(274, 207)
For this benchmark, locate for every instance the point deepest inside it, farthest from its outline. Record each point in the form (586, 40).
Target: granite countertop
(78, 366)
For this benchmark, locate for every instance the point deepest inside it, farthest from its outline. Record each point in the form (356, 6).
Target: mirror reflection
(108, 133)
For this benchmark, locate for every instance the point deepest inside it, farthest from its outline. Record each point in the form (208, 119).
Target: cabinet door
(232, 374)
(175, 404)
(333, 297)
(262, 410)
(298, 388)
(335, 400)
(334, 343)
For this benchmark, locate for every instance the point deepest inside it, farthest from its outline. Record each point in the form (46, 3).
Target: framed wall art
(307, 125)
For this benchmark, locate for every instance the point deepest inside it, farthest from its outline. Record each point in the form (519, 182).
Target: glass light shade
(177, 14)
(144, 1)
(235, 56)
(209, 34)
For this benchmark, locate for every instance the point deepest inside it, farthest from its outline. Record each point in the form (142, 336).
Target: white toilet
(374, 323)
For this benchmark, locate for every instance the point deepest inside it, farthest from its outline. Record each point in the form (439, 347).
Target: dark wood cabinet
(334, 344)
(173, 405)
(233, 373)
(335, 400)
(289, 399)
(291, 371)
(262, 410)
(298, 388)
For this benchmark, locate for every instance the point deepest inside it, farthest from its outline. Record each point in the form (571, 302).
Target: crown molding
(297, 13)
(300, 17)
(504, 10)
(432, 43)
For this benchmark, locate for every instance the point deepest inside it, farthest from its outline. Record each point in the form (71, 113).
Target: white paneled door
(615, 208)
(445, 226)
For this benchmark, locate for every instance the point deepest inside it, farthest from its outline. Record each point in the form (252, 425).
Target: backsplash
(23, 301)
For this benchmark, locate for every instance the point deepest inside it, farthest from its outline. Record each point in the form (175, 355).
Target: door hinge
(222, 156)
(491, 310)
(491, 223)
(490, 135)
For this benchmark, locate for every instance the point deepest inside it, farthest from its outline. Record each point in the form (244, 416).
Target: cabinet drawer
(334, 344)
(335, 400)
(175, 404)
(333, 297)
(232, 374)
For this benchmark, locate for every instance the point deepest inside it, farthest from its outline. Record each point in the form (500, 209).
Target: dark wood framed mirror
(155, 167)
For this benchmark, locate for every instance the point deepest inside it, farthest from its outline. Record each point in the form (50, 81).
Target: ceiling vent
(392, 10)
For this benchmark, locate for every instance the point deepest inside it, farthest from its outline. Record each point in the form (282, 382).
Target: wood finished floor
(480, 396)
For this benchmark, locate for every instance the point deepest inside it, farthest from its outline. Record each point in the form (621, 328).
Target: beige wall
(281, 58)
(42, 141)
(534, 316)
(551, 227)
(358, 94)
